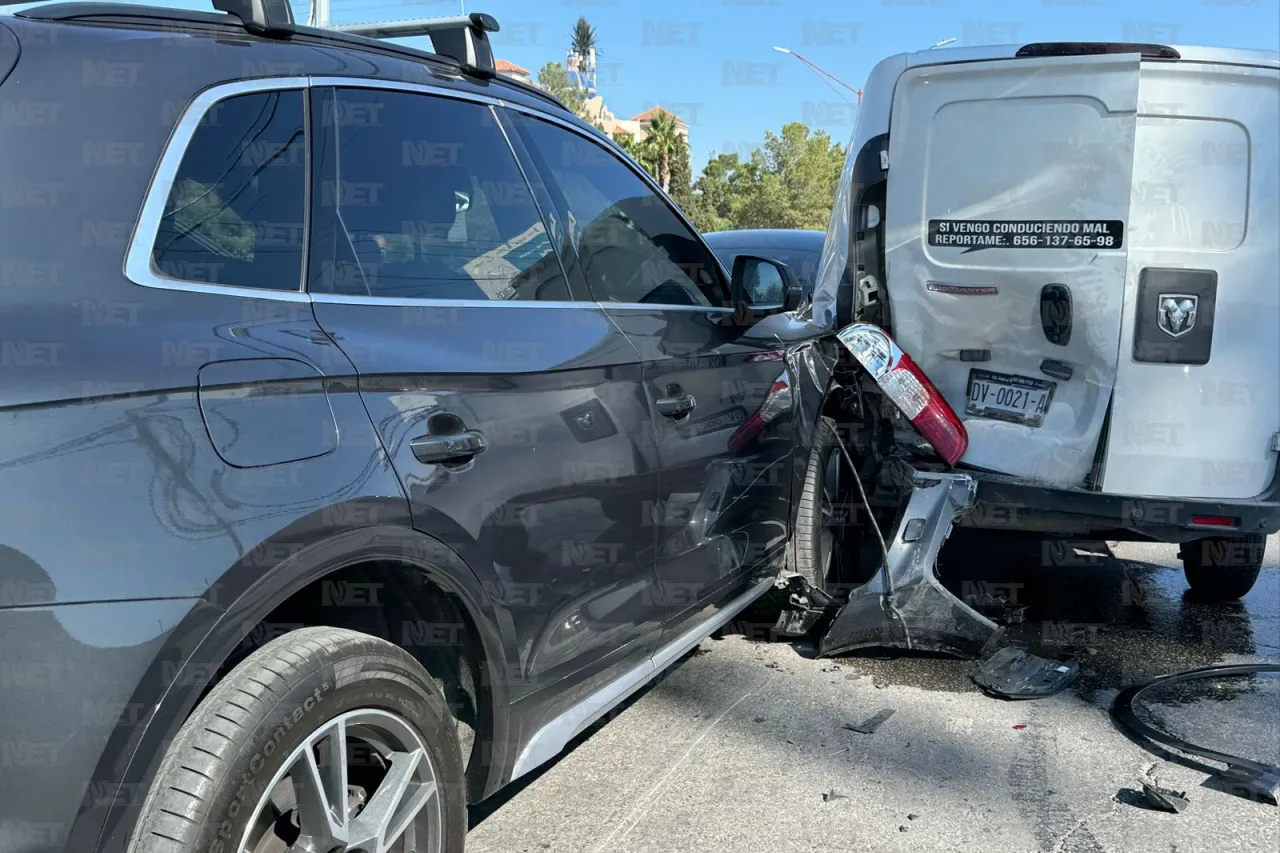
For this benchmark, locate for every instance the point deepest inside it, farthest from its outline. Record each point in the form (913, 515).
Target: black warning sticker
(975, 234)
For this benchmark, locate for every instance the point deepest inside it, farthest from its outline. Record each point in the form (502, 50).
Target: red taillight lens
(905, 384)
(776, 402)
(1213, 521)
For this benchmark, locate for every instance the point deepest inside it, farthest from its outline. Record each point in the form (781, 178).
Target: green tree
(555, 79)
(716, 194)
(662, 143)
(789, 182)
(808, 167)
(681, 190)
(635, 149)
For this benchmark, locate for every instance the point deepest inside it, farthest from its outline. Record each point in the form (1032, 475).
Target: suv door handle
(456, 447)
(677, 406)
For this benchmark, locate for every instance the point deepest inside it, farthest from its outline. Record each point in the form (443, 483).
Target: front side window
(234, 215)
(632, 246)
(429, 203)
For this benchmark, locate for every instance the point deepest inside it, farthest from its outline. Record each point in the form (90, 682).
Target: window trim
(138, 266)
(138, 263)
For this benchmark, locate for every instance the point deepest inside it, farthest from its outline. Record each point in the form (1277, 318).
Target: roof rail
(464, 38)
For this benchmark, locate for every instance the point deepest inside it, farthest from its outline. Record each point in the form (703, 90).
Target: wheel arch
(200, 648)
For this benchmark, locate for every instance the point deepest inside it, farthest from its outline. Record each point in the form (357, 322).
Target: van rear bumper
(1010, 503)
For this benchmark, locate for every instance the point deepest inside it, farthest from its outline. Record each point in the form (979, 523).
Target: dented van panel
(1003, 176)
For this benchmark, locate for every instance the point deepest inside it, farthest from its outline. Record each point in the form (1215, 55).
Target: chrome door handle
(677, 406)
(457, 447)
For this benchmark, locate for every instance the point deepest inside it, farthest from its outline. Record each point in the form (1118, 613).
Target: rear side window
(632, 246)
(429, 203)
(234, 215)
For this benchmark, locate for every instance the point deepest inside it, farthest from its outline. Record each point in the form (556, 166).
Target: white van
(1080, 245)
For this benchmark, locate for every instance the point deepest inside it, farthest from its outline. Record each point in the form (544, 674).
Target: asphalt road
(740, 747)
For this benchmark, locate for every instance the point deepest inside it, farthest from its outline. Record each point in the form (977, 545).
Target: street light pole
(820, 70)
(319, 13)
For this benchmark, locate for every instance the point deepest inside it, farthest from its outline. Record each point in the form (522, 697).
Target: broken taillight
(903, 382)
(776, 402)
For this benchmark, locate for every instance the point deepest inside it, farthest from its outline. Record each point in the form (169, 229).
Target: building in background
(645, 118)
(582, 71)
(594, 108)
(512, 71)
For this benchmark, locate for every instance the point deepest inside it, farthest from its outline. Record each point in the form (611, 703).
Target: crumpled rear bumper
(905, 606)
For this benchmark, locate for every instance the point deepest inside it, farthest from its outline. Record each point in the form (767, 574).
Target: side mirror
(795, 296)
(762, 287)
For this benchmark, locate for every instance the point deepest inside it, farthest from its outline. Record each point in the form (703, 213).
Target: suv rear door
(436, 270)
(1005, 240)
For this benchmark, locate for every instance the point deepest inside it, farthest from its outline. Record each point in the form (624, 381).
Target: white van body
(1083, 253)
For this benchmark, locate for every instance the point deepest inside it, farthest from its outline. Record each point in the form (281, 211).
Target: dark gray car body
(177, 461)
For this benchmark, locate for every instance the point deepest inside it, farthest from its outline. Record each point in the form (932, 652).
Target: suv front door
(719, 396)
(513, 413)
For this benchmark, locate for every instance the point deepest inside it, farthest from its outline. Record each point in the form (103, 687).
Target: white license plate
(1006, 397)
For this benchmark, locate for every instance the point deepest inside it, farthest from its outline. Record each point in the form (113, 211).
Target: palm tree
(635, 149)
(663, 144)
(582, 44)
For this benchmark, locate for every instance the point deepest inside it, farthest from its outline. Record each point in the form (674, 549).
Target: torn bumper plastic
(1244, 777)
(905, 606)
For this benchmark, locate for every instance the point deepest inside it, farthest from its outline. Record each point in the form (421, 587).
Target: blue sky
(711, 61)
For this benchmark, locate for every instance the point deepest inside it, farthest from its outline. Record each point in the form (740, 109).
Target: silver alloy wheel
(362, 782)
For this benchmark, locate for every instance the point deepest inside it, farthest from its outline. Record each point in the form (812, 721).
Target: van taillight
(903, 382)
(1095, 48)
(776, 402)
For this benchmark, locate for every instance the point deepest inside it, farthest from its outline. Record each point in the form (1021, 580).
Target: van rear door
(1005, 234)
(1197, 398)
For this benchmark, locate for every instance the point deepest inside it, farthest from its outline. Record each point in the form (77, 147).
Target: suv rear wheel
(323, 740)
(832, 550)
(1223, 568)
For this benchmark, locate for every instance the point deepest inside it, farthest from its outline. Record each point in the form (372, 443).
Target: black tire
(213, 774)
(835, 570)
(1223, 568)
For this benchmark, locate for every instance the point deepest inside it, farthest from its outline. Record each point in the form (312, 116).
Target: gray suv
(372, 426)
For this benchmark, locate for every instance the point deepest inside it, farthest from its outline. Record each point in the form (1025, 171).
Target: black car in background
(372, 426)
(800, 250)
